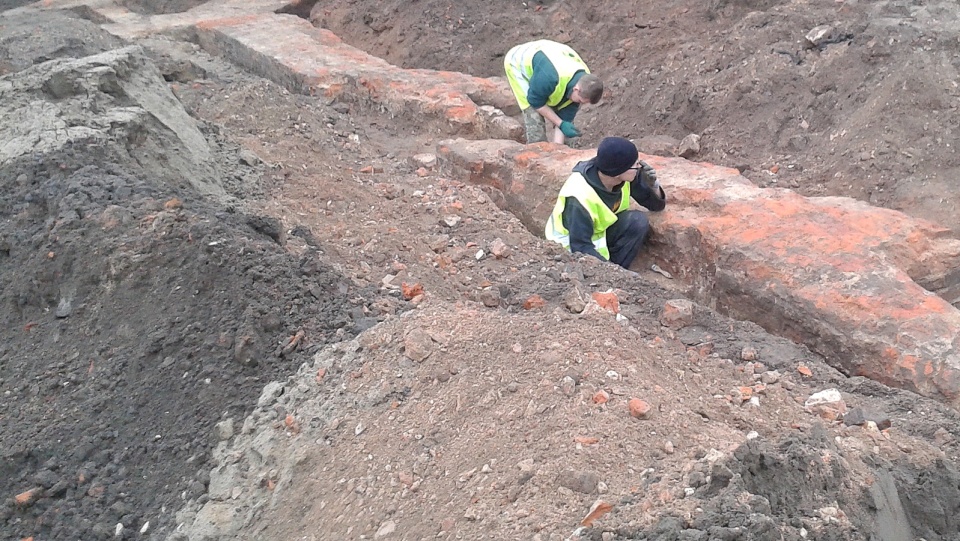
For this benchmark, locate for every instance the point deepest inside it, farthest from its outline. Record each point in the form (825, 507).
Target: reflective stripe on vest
(577, 187)
(564, 59)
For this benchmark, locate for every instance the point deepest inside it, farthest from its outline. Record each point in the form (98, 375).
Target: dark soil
(136, 314)
(64, 36)
(161, 7)
(11, 4)
(867, 112)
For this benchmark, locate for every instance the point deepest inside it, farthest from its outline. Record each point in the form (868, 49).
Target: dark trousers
(626, 236)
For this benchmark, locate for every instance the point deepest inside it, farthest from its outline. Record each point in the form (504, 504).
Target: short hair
(591, 87)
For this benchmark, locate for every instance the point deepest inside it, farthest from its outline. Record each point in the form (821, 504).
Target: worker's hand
(648, 176)
(569, 130)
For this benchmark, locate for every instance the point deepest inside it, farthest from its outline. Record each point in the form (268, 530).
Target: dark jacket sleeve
(646, 198)
(580, 226)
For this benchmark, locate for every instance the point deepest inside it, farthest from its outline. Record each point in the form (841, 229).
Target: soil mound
(142, 304)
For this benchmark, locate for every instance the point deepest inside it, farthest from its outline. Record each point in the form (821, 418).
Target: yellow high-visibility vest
(564, 59)
(577, 187)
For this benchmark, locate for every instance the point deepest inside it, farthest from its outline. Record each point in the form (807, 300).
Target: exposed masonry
(869, 288)
(856, 283)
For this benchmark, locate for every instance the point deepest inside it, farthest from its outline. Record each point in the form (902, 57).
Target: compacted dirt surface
(252, 314)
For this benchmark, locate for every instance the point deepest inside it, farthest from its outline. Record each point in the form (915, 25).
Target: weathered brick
(855, 283)
(291, 52)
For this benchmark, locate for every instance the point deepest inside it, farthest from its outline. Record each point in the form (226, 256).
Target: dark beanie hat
(615, 155)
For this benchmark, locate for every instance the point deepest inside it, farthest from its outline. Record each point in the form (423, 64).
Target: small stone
(64, 308)
(450, 221)
(424, 160)
(526, 465)
(490, 297)
(385, 529)
(689, 146)
(749, 353)
(818, 35)
(639, 409)
(568, 385)
(607, 300)
(417, 345)
(585, 482)
(499, 249)
(28, 497)
(224, 429)
(677, 313)
(534, 302)
(668, 447)
(770, 377)
(828, 404)
(574, 300)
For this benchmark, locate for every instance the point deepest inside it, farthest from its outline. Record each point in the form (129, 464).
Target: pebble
(770, 377)
(585, 482)
(385, 529)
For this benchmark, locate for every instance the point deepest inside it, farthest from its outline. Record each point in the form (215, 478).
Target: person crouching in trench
(592, 213)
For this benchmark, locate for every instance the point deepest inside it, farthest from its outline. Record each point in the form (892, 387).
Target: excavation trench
(875, 292)
(190, 287)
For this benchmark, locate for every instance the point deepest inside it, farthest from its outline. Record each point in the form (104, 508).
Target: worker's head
(589, 89)
(616, 156)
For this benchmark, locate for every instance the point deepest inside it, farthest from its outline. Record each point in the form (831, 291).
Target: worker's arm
(579, 224)
(646, 189)
(548, 113)
(653, 199)
(565, 115)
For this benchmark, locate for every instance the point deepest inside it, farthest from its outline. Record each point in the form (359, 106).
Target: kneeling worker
(550, 81)
(591, 215)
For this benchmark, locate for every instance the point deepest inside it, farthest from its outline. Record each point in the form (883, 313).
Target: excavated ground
(152, 374)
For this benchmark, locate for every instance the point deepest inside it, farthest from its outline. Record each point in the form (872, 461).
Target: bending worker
(550, 81)
(591, 215)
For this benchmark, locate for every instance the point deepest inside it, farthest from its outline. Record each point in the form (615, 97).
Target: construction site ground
(258, 313)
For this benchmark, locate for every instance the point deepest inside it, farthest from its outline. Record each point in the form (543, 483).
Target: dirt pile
(138, 311)
(384, 434)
